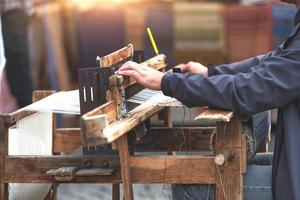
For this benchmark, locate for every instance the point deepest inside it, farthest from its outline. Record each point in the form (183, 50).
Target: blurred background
(57, 37)
(47, 41)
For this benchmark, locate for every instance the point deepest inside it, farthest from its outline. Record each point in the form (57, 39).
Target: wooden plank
(171, 139)
(123, 126)
(144, 169)
(229, 179)
(123, 54)
(125, 167)
(93, 123)
(3, 153)
(66, 140)
(215, 115)
(115, 91)
(32, 169)
(173, 169)
(13, 117)
(107, 108)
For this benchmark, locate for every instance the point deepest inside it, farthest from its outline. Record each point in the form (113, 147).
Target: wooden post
(115, 191)
(166, 116)
(125, 168)
(3, 154)
(229, 179)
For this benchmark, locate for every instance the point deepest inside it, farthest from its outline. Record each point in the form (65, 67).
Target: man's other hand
(193, 67)
(144, 75)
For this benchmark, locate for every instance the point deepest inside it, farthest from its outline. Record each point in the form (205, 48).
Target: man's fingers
(130, 66)
(183, 67)
(131, 73)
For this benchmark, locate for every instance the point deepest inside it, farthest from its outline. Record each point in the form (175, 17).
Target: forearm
(237, 67)
(271, 85)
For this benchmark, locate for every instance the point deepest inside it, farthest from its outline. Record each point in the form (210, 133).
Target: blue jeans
(257, 183)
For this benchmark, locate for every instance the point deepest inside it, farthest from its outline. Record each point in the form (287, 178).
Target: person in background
(14, 26)
(2, 57)
(247, 87)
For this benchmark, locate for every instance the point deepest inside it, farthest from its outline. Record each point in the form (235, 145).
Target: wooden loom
(105, 125)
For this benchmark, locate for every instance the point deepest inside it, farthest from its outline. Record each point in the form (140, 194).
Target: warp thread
(31, 136)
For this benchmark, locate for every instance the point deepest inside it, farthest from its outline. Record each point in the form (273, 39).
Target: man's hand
(193, 67)
(144, 75)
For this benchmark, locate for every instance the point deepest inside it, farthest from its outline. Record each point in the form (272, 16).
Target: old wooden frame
(131, 169)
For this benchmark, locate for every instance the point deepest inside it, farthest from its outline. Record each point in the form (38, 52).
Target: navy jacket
(250, 86)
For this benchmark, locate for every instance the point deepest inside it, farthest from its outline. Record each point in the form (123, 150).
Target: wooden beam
(215, 115)
(123, 126)
(116, 191)
(107, 108)
(144, 169)
(32, 169)
(3, 154)
(170, 139)
(125, 167)
(13, 117)
(123, 54)
(66, 140)
(229, 179)
(173, 169)
(92, 124)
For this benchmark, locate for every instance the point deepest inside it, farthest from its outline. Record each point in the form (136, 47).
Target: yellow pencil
(152, 41)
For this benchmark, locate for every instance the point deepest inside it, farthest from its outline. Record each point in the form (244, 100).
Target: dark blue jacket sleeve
(272, 84)
(237, 67)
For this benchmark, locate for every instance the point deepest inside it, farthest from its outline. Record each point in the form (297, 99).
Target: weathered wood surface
(125, 167)
(244, 155)
(3, 154)
(117, 56)
(123, 126)
(215, 115)
(92, 123)
(173, 169)
(13, 117)
(32, 169)
(66, 140)
(144, 169)
(107, 108)
(115, 191)
(171, 139)
(229, 179)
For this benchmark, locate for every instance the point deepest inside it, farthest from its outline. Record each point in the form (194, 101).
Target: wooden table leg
(125, 168)
(229, 179)
(3, 154)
